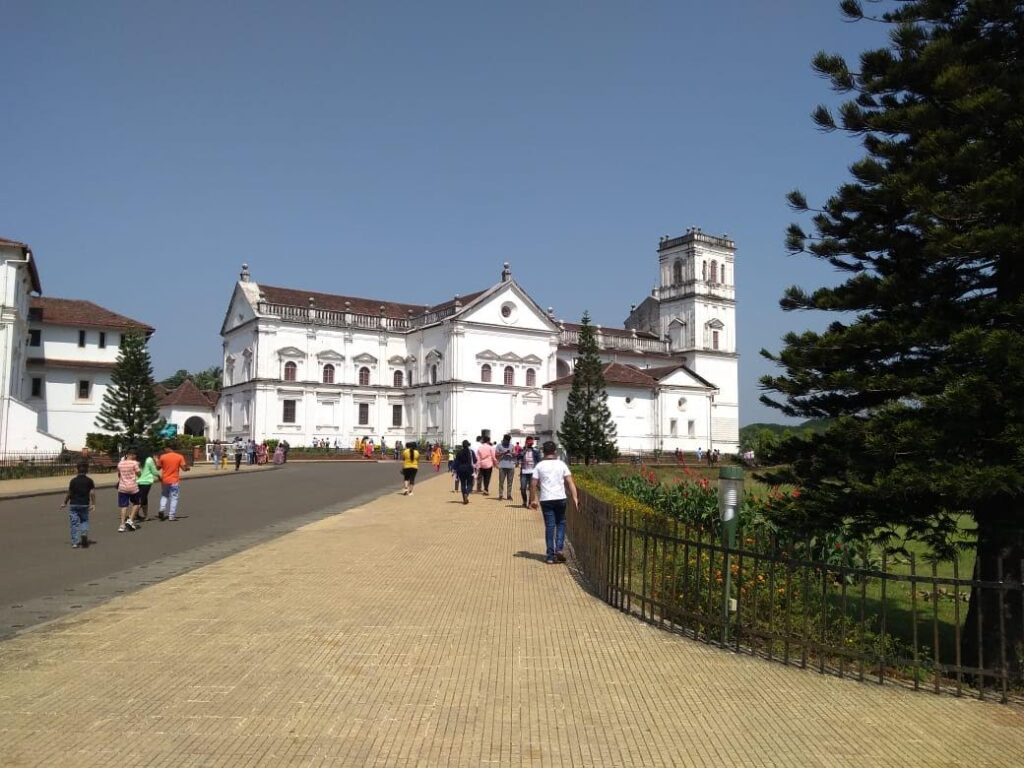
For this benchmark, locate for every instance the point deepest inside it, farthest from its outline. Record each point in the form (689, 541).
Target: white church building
(305, 365)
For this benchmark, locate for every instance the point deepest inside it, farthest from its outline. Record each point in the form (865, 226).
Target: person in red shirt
(171, 465)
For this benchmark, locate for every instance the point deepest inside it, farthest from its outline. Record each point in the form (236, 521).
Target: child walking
(80, 500)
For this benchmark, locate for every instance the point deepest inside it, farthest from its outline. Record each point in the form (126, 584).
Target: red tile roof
(615, 373)
(187, 395)
(74, 312)
(663, 371)
(335, 303)
(50, 362)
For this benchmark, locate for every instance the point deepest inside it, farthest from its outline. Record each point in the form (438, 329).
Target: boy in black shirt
(80, 501)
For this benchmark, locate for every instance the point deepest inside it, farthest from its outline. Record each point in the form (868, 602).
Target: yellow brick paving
(418, 632)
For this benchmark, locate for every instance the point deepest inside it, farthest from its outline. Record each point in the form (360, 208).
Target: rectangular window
(288, 412)
(714, 339)
(37, 387)
(81, 338)
(396, 415)
(103, 340)
(673, 427)
(228, 405)
(246, 406)
(113, 339)
(84, 389)
(691, 428)
(35, 338)
(364, 414)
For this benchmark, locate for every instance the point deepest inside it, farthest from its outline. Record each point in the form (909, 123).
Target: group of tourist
(136, 474)
(249, 451)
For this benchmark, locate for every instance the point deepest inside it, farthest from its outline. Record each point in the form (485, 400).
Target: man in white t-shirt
(548, 486)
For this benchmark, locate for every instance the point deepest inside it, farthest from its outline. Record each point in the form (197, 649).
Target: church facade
(307, 366)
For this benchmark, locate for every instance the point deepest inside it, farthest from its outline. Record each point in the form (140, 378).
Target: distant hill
(749, 433)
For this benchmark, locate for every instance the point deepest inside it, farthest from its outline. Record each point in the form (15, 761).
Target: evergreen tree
(587, 430)
(209, 378)
(129, 406)
(923, 371)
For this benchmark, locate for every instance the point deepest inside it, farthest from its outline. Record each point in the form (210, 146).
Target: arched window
(433, 374)
(510, 376)
(412, 377)
(364, 376)
(399, 378)
(704, 270)
(291, 370)
(328, 374)
(531, 377)
(485, 373)
(677, 272)
(714, 271)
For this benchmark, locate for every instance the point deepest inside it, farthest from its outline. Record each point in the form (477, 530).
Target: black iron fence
(15, 466)
(851, 614)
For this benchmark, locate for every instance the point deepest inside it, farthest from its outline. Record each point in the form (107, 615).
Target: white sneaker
(121, 529)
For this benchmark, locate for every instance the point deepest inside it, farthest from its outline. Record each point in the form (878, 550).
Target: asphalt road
(43, 578)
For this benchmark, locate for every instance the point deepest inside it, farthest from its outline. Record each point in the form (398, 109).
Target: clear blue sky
(404, 150)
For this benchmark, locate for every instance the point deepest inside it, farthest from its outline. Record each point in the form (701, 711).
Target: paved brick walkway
(418, 632)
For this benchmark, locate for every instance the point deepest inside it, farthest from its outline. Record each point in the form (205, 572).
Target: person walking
(216, 452)
(128, 471)
(285, 447)
(279, 454)
(465, 465)
(410, 466)
(506, 458)
(251, 450)
(485, 463)
(529, 457)
(548, 486)
(149, 475)
(239, 449)
(80, 500)
(477, 476)
(435, 457)
(171, 464)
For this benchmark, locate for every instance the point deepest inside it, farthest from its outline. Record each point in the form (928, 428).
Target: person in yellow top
(410, 465)
(435, 457)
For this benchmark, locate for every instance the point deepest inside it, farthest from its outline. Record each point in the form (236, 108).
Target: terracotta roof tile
(336, 303)
(212, 395)
(667, 370)
(50, 362)
(186, 394)
(615, 373)
(50, 311)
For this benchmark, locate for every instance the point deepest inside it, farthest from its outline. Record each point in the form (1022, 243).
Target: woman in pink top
(485, 463)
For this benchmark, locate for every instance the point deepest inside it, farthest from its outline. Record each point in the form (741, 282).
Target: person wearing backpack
(465, 464)
(410, 465)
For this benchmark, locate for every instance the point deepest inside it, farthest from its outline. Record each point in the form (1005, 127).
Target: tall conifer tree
(129, 406)
(587, 430)
(922, 372)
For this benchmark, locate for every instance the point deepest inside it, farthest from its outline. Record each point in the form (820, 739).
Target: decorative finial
(244, 275)
(382, 309)
(348, 305)
(506, 273)
(312, 301)
(551, 312)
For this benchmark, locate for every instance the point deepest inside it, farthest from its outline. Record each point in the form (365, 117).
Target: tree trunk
(997, 615)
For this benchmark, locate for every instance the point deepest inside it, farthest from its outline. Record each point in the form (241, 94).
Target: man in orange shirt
(171, 465)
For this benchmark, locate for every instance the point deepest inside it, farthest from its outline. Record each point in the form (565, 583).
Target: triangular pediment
(487, 355)
(240, 307)
(290, 352)
(397, 360)
(533, 359)
(716, 324)
(511, 357)
(677, 321)
(533, 396)
(364, 357)
(507, 305)
(330, 354)
(433, 356)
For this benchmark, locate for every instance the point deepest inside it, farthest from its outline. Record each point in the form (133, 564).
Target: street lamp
(730, 494)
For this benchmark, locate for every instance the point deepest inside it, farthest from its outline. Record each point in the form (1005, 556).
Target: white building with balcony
(307, 365)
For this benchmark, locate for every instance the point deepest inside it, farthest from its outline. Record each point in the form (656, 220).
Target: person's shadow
(530, 556)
